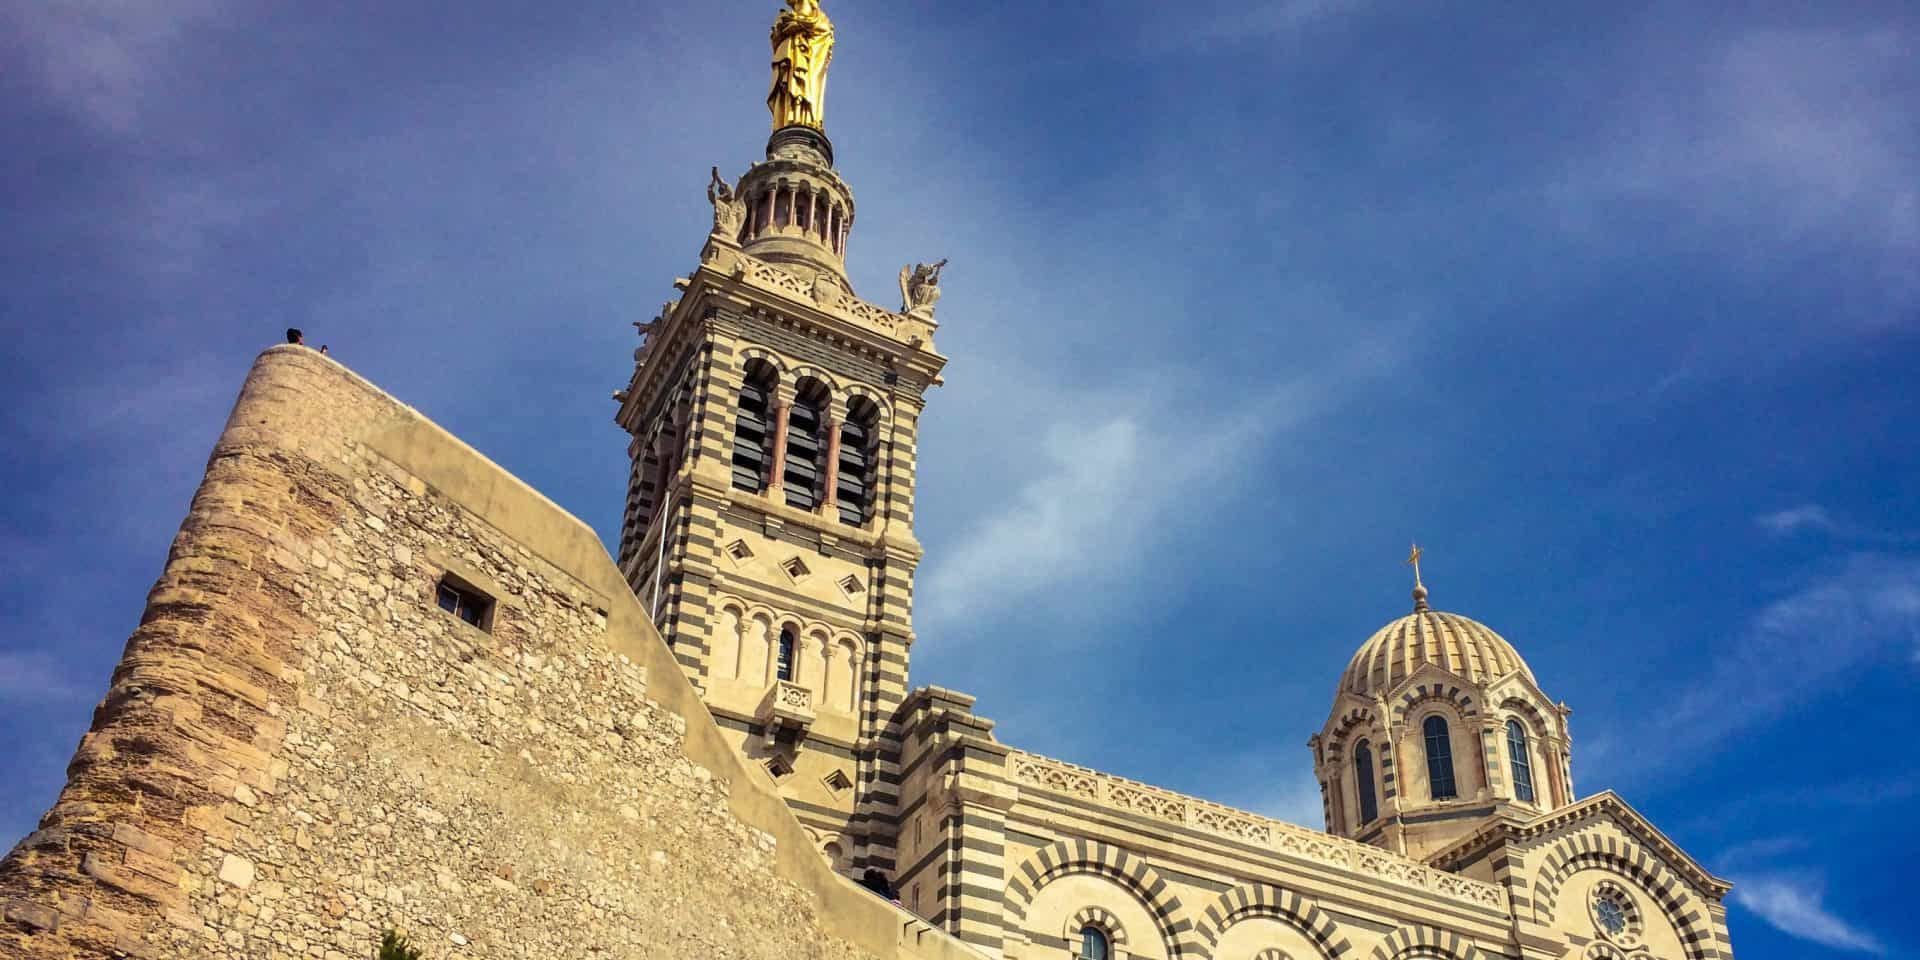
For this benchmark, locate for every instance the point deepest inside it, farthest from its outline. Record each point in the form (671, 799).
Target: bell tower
(769, 519)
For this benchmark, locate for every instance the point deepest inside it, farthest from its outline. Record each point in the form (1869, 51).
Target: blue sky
(1614, 307)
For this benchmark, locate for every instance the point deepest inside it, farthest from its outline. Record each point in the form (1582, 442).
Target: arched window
(1439, 758)
(1522, 766)
(1363, 782)
(1093, 943)
(854, 496)
(806, 456)
(783, 657)
(750, 428)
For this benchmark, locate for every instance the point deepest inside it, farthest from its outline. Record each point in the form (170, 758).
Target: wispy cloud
(1262, 20)
(1816, 519)
(1806, 517)
(1803, 645)
(106, 61)
(1758, 145)
(1828, 798)
(1102, 494)
(1794, 904)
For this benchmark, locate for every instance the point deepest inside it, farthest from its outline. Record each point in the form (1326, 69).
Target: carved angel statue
(728, 211)
(802, 51)
(920, 288)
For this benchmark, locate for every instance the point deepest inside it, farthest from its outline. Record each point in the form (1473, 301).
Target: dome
(1449, 641)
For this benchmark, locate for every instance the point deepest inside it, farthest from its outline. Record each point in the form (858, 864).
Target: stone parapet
(1368, 865)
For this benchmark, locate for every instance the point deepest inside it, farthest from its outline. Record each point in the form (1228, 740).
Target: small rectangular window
(470, 605)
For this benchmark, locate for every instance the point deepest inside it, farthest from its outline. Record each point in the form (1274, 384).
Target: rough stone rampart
(300, 749)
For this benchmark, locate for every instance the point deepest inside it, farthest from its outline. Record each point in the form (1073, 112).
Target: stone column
(829, 697)
(766, 213)
(832, 495)
(777, 475)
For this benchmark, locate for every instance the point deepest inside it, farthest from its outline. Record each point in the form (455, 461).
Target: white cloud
(1757, 146)
(108, 61)
(1813, 518)
(1794, 905)
(1802, 646)
(1264, 20)
(1796, 519)
(1102, 493)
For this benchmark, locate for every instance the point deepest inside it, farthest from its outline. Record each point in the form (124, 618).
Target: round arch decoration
(1425, 943)
(863, 392)
(1574, 854)
(1252, 901)
(1067, 857)
(1426, 693)
(807, 371)
(1098, 918)
(1360, 718)
(1537, 724)
(772, 359)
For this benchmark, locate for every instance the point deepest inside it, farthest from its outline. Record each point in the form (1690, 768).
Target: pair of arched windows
(1440, 779)
(1440, 760)
(1439, 745)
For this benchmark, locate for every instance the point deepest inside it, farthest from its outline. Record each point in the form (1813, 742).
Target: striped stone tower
(769, 516)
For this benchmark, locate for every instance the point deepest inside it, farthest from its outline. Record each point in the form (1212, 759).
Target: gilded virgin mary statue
(802, 50)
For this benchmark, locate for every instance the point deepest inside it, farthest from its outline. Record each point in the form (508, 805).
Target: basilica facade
(773, 414)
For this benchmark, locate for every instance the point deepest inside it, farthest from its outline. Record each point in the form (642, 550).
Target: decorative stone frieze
(1365, 862)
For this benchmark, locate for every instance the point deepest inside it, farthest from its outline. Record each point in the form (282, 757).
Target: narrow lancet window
(1439, 758)
(751, 446)
(806, 460)
(1363, 782)
(783, 657)
(853, 495)
(1518, 757)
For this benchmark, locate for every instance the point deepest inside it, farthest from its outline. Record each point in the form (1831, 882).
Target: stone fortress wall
(300, 749)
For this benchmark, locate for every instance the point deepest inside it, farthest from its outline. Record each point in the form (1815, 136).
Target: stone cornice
(1604, 804)
(904, 340)
(900, 342)
(1373, 864)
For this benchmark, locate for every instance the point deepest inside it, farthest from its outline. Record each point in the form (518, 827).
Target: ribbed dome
(1450, 641)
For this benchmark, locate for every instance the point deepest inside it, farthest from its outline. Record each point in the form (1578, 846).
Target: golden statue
(802, 51)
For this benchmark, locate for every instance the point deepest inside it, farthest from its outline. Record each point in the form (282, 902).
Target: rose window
(1614, 914)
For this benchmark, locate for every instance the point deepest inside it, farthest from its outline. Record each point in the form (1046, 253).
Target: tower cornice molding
(903, 341)
(1606, 804)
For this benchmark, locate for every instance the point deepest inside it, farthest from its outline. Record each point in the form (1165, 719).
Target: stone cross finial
(1419, 589)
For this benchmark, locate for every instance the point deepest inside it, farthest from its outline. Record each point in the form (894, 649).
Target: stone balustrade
(785, 706)
(1119, 793)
